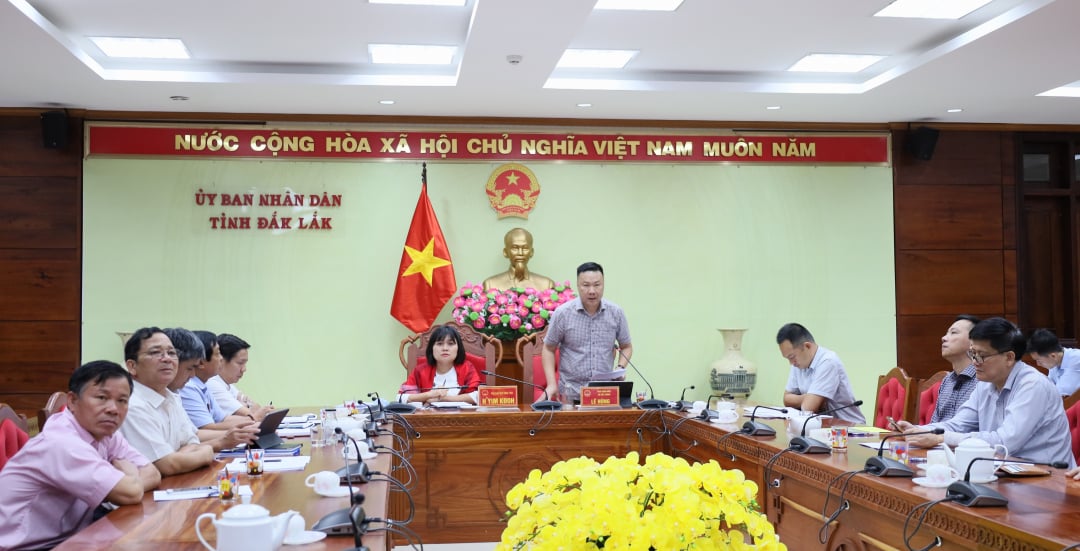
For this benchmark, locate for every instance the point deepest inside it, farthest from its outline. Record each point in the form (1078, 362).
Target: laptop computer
(626, 390)
(268, 437)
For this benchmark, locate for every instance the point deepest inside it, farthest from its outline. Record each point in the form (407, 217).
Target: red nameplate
(599, 396)
(498, 396)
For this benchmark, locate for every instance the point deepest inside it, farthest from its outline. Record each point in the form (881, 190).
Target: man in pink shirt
(50, 488)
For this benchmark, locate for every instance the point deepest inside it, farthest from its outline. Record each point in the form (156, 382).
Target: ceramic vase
(733, 374)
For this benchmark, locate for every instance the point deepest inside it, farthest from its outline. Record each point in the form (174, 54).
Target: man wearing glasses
(157, 424)
(1013, 404)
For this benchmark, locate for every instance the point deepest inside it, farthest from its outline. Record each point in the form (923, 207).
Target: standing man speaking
(583, 330)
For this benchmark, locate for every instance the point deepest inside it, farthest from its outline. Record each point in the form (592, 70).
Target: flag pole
(423, 174)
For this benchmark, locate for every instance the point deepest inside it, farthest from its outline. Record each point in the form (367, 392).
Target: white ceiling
(713, 60)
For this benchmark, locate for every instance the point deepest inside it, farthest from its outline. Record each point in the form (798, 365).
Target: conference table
(170, 525)
(467, 460)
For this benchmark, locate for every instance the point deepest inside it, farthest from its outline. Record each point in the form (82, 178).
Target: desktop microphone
(542, 405)
(357, 471)
(652, 402)
(970, 494)
(342, 522)
(708, 414)
(381, 415)
(683, 405)
(886, 467)
(755, 428)
(802, 444)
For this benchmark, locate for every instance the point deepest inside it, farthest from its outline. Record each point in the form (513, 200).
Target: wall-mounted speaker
(921, 142)
(54, 129)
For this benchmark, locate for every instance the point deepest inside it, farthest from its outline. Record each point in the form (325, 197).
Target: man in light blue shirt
(817, 381)
(1062, 364)
(199, 402)
(1013, 404)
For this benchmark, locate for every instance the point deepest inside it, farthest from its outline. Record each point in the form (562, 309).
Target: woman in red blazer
(452, 379)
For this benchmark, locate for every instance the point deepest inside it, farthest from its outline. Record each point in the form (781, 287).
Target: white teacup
(323, 482)
(940, 474)
(727, 416)
(822, 435)
(798, 422)
(725, 406)
(349, 451)
(297, 525)
(936, 457)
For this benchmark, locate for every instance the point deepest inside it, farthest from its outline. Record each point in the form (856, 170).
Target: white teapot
(246, 527)
(970, 449)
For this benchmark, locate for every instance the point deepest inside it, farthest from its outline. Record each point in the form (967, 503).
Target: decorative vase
(733, 374)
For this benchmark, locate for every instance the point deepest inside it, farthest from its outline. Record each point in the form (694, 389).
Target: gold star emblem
(424, 262)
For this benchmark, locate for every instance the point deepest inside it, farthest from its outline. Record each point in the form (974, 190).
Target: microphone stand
(886, 467)
(652, 402)
(682, 404)
(756, 428)
(804, 445)
(969, 494)
(381, 416)
(543, 405)
(357, 470)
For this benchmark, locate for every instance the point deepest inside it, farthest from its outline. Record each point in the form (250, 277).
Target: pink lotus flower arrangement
(509, 314)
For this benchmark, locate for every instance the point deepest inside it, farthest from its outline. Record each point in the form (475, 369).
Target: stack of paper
(276, 464)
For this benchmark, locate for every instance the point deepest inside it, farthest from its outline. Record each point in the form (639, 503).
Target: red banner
(269, 143)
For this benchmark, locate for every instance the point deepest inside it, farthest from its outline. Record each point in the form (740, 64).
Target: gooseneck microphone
(802, 444)
(343, 521)
(683, 404)
(886, 467)
(970, 494)
(543, 405)
(652, 402)
(357, 471)
(381, 415)
(755, 428)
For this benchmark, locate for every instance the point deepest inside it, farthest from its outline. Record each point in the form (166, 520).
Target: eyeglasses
(159, 353)
(978, 358)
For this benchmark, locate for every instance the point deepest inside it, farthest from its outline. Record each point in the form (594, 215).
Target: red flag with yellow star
(426, 276)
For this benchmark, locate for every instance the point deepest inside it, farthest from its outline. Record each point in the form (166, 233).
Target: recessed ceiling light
(386, 101)
(179, 98)
(584, 105)
(595, 59)
(954, 110)
(835, 63)
(773, 107)
(145, 48)
(1071, 90)
(643, 5)
(931, 9)
(420, 2)
(405, 54)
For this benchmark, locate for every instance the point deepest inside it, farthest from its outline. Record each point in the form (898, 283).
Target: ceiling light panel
(931, 9)
(835, 63)
(404, 54)
(143, 48)
(595, 59)
(420, 2)
(641, 5)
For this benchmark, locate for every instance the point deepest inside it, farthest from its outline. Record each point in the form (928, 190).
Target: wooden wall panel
(949, 282)
(23, 221)
(947, 217)
(921, 355)
(960, 158)
(40, 261)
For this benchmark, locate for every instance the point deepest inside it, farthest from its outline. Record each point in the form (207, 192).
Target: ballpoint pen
(185, 490)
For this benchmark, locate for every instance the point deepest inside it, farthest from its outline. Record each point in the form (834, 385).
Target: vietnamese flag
(426, 276)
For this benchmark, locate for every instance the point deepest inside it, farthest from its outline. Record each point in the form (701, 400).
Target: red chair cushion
(890, 403)
(539, 377)
(12, 439)
(927, 403)
(1073, 414)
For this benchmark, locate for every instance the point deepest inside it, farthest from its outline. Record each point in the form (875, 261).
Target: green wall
(686, 248)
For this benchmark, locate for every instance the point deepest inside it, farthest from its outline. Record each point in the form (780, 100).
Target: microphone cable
(412, 504)
(1072, 547)
(642, 424)
(767, 471)
(405, 464)
(393, 527)
(399, 418)
(823, 533)
(925, 506)
(546, 417)
(674, 427)
(724, 448)
(401, 440)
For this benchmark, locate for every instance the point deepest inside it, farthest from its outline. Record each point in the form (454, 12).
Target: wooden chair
(57, 402)
(13, 433)
(482, 350)
(928, 394)
(896, 397)
(527, 349)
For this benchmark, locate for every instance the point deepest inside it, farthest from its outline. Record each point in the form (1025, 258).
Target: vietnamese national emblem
(512, 190)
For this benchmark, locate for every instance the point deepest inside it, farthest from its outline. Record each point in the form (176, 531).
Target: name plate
(498, 396)
(595, 396)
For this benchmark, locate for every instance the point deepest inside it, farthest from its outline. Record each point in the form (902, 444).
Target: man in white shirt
(1062, 364)
(157, 425)
(234, 352)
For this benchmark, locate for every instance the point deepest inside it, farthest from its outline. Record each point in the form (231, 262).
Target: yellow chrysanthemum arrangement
(665, 504)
